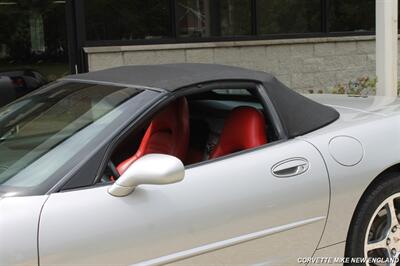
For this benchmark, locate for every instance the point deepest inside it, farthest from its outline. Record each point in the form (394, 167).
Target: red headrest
(243, 129)
(168, 133)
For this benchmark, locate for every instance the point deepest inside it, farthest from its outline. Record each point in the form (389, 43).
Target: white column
(386, 46)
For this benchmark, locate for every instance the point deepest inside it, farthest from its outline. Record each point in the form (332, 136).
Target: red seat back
(168, 133)
(243, 129)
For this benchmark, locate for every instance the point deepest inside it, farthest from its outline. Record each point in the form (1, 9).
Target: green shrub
(362, 86)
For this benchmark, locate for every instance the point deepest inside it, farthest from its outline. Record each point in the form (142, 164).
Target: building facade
(308, 44)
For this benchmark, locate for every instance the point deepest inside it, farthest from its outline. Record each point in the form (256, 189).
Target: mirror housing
(151, 169)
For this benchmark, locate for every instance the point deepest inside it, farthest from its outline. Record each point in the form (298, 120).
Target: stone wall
(302, 64)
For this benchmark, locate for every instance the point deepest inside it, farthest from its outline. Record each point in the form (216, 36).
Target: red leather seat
(244, 128)
(168, 133)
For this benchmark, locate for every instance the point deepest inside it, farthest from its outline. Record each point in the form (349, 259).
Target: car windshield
(40, 122)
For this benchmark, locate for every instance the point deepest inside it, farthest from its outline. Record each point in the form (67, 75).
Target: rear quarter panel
(379, 135)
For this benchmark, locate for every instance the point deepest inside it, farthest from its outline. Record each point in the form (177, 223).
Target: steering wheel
(113, 170)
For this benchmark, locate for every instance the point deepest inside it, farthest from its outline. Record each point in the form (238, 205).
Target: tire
(373, 219)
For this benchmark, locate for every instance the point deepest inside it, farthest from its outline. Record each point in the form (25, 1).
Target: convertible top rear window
(36, 124)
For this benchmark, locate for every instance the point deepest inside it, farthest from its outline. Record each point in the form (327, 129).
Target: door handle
(290, 167)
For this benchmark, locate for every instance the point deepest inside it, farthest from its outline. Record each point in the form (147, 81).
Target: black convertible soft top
(299, 115)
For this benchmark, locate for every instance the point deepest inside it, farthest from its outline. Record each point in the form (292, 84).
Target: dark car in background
(17, 83)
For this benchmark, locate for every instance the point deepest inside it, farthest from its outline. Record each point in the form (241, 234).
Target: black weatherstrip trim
(274, 115)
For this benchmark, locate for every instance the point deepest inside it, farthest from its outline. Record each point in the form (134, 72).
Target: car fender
(19, 221)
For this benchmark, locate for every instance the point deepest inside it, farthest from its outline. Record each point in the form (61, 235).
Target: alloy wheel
(382, 238)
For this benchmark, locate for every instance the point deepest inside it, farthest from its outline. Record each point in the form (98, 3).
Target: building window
(351, 15)
(127, 19)
(235, 17)
(193, 18)
(205, 18)
(288, 16)
(33, 36)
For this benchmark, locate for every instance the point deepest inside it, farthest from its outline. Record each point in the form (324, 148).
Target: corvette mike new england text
(341, 260)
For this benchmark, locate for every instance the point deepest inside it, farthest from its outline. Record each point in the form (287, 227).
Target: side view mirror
(151, 169)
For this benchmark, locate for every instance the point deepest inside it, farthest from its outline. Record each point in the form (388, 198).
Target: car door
(266, 206)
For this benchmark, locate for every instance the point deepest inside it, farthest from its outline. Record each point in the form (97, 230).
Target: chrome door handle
(290, 167)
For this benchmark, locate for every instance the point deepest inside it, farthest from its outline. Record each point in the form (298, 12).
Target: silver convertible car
(195, 164)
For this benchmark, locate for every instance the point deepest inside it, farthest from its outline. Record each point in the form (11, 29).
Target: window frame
(169, 97)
